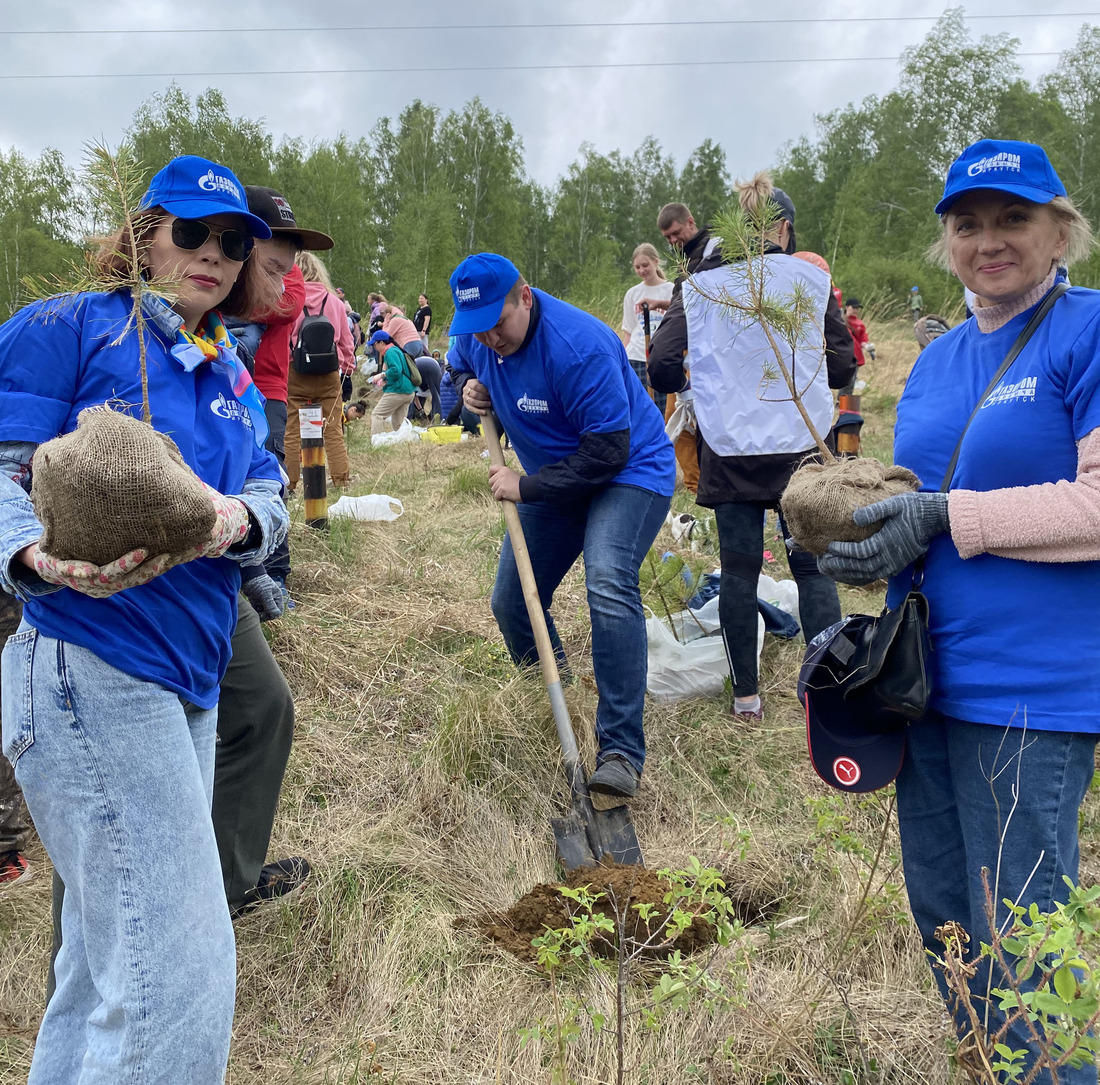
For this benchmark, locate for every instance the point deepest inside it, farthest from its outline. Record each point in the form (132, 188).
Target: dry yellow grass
(421, 786)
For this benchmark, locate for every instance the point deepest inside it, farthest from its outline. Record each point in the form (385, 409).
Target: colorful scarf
(213, 343)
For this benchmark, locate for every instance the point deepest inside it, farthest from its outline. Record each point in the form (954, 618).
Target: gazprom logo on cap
(1002, 161)
(468, 293)
(215, 182)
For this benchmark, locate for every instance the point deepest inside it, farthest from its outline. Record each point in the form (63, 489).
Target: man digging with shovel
(599, 475)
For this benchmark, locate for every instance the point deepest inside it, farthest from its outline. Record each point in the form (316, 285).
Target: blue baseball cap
(381, 337)
(1005, 165)
(191, 187)
(479, 286)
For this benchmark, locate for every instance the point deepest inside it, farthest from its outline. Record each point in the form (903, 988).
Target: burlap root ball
(820, 498)
(113, 485)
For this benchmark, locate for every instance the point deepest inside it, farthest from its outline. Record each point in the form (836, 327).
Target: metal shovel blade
(617, 836)
(574, 848)
(586, 836)
(616, 839)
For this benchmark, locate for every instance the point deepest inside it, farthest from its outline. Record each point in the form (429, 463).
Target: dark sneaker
(276, 880)
(14, 868)
(614, 781)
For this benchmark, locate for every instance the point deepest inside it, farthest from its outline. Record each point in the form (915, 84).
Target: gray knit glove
(265, 595)
(909, 523)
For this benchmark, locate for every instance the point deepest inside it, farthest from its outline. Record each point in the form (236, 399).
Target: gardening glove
(100, 581)
(909, 523)
(230, 527)
(266, 596)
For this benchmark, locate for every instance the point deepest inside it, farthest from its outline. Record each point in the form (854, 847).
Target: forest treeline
(409, 199)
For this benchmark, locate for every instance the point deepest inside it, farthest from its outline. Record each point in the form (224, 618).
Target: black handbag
(890, 681)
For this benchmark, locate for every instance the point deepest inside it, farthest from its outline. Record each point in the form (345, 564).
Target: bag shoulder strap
(1014, 352)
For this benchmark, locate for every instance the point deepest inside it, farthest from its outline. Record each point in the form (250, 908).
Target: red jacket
(860, 338)
(273, 353)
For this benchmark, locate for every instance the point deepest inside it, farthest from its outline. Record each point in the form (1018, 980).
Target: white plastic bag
(682, 419)
(780, 593)
(406, 433)
(697, 668)
(367, 507)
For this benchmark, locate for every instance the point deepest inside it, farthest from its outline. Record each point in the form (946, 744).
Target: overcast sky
(751, 109)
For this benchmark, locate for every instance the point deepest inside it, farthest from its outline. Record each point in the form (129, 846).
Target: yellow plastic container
(442, 435)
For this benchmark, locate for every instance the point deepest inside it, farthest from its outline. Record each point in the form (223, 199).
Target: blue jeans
(954, 801)
(614, 530)
(118, 775)
(741, 544)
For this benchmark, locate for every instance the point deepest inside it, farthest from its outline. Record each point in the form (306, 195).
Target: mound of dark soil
(544, 908)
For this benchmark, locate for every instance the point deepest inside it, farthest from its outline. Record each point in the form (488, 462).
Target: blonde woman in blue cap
(994, 775)
(110, 686)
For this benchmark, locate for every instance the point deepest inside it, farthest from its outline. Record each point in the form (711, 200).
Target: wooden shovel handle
(547, 660)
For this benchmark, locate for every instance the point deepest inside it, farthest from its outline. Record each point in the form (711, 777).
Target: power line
(221, 74)
(646, 25)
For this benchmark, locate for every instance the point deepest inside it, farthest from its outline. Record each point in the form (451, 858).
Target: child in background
(860, 338)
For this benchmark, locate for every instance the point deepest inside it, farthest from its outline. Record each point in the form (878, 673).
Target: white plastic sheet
(366, 507)
(407, 432)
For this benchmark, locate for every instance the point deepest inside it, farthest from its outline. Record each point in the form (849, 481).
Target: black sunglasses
(194, 233)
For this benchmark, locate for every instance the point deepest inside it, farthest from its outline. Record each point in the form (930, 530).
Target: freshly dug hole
(820, 498)
(113, 485)
(544, 908)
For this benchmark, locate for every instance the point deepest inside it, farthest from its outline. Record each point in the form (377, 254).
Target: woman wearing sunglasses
(110, 685)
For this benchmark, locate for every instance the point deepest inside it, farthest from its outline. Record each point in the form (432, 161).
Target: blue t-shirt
(176, 629)
(571, 378)
(1011, 638)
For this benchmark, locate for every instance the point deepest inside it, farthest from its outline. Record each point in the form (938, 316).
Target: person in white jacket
(751, 436)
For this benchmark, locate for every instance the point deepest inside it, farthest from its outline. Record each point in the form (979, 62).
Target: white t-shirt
(632, 321)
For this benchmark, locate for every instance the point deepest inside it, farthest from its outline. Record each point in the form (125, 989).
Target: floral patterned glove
(101, 581)
(230, 527)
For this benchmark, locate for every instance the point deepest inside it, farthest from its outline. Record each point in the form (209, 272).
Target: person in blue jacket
(110, 685)
(599, 476)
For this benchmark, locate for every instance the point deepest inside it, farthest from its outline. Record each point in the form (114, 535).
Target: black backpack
(315, 351)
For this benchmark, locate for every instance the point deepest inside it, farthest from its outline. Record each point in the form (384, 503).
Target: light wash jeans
(959, 811)
(118, 775)
(614, 530)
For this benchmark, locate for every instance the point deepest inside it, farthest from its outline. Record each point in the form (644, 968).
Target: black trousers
(255, 729)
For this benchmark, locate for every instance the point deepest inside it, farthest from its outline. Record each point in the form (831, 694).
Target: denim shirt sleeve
(19, 527)
(263, 499)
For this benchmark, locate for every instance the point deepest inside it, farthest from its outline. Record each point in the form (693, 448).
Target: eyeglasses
(192, 234)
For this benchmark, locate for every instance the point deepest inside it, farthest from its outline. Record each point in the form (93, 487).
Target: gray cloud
(752, 110)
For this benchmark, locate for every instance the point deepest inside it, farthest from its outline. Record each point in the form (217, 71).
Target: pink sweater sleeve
(1054, 521)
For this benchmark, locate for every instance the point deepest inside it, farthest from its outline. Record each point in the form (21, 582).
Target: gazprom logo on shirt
(468, 293)
(1023, 391)
(1002, 161)
(230, 409)
(215, 182)
(531, 405)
